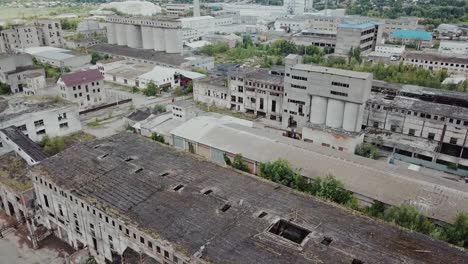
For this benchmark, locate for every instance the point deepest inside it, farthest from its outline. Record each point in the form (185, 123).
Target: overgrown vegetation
(331, 189)
(52, 145)
(433, 12)
(266, 55)
(157, 109)
(50, 71)
(367, 150)
(4, 89)
(70, 24)
(238, 162)
(158, 138)
(151, 89)
(95, 57)
(179, 91)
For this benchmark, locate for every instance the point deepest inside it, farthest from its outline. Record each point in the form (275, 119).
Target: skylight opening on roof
(357, 261)
(97, 146)
(225, 207)
(128, 159)
(164, 174)
(289, 231)
(138, 170)
(178, 187)
(207, 192)
(262, 214)
(103, 156)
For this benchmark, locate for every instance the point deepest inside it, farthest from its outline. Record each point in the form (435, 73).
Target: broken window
(453, 140)
(289, 231)
(431, 136)
(411, 132)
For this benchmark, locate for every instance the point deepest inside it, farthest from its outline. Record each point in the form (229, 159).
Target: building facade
(16, 70)
(361, 36)
(86, 88)
(51, 32)
(437, 61)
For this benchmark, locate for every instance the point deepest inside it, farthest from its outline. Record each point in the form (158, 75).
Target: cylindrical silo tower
(350, 118)
(134, 36)
(335, 111)
(147, 37)
(159, 39)
(318, 113)
(121, 34)
(111, 36)
(173, 40)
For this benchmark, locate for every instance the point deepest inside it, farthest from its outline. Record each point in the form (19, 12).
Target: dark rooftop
(23, 68)
(226, 216)
(139, 115)
(149, 55)
(435, 57)
(24, 142)
(80, 77)
(260, 75)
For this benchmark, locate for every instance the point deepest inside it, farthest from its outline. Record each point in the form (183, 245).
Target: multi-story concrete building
(125, 197)
(177, 10)
(41, 33)
(21, 36)
(16, 70)
(361, 36)
(259, 92)
(436, 61)
(86, 88)
(325, 104)
(161, 34)
(212, 91)
(453, 47)
(51, 32)
(38, 116)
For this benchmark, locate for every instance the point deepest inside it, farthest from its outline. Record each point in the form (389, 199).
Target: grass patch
(224, 111)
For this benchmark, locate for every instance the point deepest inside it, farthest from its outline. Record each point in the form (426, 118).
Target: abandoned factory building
(125, 193)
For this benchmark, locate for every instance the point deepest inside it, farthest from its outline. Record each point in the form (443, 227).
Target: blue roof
(411, 34)
(358, 25)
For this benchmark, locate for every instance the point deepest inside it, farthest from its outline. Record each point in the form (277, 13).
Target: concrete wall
(87, 95)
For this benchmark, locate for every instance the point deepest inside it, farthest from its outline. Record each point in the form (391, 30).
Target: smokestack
(196, 8)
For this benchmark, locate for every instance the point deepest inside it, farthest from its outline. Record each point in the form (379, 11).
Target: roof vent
(128, 159)
(262, 214)
(327, 241)
(207, 192)
(138, 170)
(164, 174)
(103, 156)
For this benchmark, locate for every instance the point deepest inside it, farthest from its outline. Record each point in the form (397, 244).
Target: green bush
(151, 89)
(457, 233)
(367, 150)
(331, 189)
(239, 163)
(52, 145)
(5, 89)
(158, 138)
(157, 109)
(407, 216)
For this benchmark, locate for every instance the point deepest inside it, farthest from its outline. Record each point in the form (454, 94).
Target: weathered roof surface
(23, 69)
(333, 71)
(416, 105)
(193, 220)
(80, 77)
(150, 55)
(13, 172)
(433, 196)
(139, 115)
(258, 74)
(431, 56)
(24, 142)
(411, 34)
(12, 107)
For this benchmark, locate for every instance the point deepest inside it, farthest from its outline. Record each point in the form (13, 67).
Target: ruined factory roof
(13, 172)
(139, 115)
(263, 75)
(431, 56)
(214, 80)
(24, 143)
(18, 105)
(435, 197)
(223, 216)
(333, 71)
(416, 105)
(79, 77)
(23, 69)
(149, 55)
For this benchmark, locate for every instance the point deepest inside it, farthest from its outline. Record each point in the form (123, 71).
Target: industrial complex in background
(133, 73)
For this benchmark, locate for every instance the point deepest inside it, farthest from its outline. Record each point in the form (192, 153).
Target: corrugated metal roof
(412, 34)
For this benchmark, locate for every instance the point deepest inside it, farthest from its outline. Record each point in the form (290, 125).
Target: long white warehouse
(161, 34)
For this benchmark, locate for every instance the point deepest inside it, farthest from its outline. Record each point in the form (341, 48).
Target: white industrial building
(162, 34)
(38, 116)
(453, 47)
(135, 74)
(59, 57)
(86, 88)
